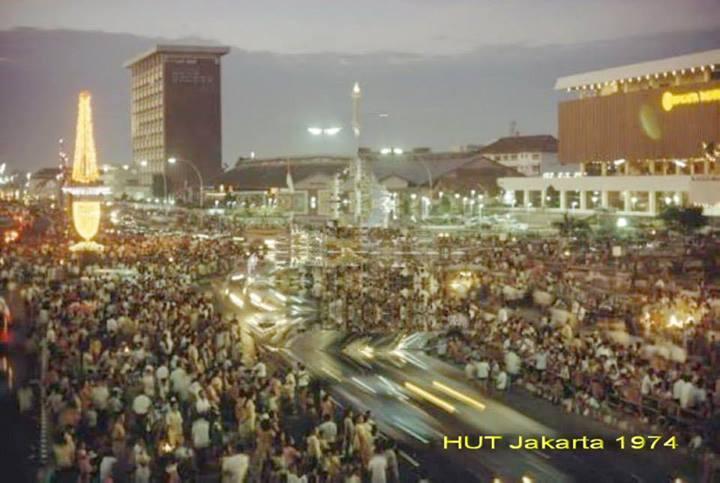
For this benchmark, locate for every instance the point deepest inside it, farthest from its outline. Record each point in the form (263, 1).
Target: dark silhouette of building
(176, 114)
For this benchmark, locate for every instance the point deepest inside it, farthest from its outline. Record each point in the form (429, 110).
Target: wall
(192, 117)
(636, 126)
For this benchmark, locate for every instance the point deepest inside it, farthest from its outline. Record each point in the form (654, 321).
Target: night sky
(449, 72)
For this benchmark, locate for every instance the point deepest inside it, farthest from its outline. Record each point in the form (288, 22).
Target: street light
(327, 131)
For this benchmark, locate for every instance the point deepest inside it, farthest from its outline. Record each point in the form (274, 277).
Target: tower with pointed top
(85, 168)
(84, 187)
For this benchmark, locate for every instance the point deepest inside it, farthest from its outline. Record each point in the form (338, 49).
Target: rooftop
(542, 143)
(671, 65)
(417, 169)
(179, 49)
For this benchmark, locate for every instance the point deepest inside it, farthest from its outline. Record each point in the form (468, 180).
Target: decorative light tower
(84, 187)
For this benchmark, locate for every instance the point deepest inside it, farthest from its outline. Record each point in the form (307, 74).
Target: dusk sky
(360, 26)
(449, 72)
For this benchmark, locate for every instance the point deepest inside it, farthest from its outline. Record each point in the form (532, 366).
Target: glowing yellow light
(430, 398)
(670, 100)
(85, 169)
(11, 236)
(86, 218)
(458, 395)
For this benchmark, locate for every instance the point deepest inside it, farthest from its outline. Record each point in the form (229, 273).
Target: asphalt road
(419, 400)
(378, 381)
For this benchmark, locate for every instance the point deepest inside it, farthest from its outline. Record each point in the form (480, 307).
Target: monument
(85, 188)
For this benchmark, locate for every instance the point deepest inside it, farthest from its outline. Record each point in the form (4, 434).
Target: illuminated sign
(670, 100)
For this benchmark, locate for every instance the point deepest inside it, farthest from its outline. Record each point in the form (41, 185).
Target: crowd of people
(605, 331)
(146, 380)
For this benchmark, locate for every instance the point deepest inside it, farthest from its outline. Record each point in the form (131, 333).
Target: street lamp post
(174, 160)
(330, 132)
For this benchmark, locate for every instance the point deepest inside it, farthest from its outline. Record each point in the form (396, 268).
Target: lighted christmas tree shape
(85, 168)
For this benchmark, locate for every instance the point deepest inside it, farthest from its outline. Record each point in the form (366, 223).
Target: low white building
(643, 135)
(529, 155)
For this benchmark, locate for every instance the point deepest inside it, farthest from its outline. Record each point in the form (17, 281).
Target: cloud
(269, 99)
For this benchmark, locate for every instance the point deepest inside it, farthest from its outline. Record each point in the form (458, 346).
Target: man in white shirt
(646, 386)
(111, 325)
(106, 465)
(687, 395)
(303, 377)
(512, 362)
(378, 468)
(100, 395)
(678, 387)
(235, 466)
(470, 370)
(180, 381)
(328, 429)
(501, 380)
(201, 433)
(541, 360)
(482, 371)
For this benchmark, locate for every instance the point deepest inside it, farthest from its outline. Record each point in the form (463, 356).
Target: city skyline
(441, 100)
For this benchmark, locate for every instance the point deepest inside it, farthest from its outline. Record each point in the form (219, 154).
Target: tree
(685, 220)
(445, 205)
(570, 226)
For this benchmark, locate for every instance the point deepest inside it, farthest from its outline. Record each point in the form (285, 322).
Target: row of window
(143, 141)
(514, 157)
(144, 104)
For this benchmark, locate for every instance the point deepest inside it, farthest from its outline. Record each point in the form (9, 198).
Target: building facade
(415, 184)
(176, 113)
(644, 136)
(529, 155)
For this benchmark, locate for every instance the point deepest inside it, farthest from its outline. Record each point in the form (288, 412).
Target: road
(379, 382)
(419, 400)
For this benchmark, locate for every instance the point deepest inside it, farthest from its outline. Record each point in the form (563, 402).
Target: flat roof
(689, 61)
(179, 49)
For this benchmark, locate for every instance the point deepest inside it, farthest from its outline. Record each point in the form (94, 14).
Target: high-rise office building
(176, 114)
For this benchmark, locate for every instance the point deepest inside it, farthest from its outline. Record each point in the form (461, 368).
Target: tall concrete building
(176, 113)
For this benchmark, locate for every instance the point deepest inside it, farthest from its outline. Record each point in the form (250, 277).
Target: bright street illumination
(144, 163)
(332, 131)
(385, 151)
(172, 160)
(622, 222)
(397, 151)
(315, 131)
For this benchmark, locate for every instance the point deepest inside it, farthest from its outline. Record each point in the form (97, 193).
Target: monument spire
(85, 168)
